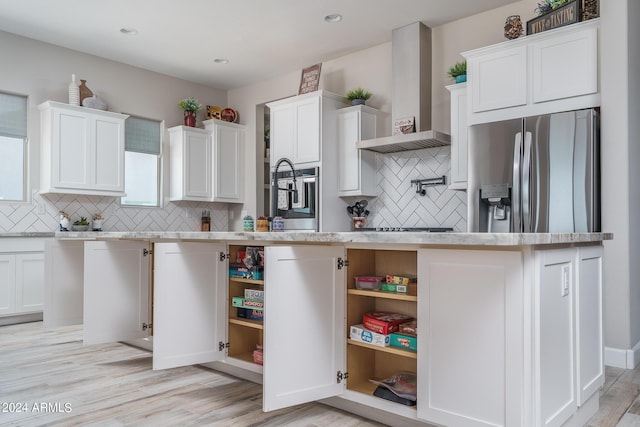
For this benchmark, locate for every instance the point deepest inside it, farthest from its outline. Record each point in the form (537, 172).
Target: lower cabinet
(568, 328)
(21, 276)
(508, 337)
(470, 371)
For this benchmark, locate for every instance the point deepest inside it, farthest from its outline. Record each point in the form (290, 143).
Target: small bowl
(80, 227)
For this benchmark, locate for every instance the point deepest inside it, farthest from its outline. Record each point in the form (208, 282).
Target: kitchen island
(510, 325)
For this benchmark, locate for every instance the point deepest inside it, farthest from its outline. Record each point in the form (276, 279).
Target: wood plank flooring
(55, 380)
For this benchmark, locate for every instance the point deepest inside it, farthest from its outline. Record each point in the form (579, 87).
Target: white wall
(43, 72)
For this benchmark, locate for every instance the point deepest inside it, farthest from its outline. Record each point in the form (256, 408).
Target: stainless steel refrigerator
(536, 174)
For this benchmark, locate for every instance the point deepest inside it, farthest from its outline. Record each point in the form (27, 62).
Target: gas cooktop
(409, 229)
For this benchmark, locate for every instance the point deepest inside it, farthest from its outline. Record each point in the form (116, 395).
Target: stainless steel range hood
(411, 97)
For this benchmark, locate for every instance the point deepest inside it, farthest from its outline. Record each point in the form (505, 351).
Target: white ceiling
(261, 38)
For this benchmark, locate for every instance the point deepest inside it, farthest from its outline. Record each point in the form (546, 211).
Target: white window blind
(13, 116)
(142, 135)
(13, 135)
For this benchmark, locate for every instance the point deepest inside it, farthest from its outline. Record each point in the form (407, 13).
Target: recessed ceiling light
(129, 31)
(334, 17)
(221, 61)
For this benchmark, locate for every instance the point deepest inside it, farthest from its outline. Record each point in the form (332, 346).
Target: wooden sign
(564, 15)
(310, 79)
(404, 125)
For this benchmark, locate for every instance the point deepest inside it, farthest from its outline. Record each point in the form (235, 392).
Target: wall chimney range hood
(411, 97)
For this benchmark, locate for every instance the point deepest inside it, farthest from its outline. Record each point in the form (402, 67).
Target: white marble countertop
(40, 234)
(421, 238)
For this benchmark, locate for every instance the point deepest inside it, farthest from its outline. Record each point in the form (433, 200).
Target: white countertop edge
(489, 239)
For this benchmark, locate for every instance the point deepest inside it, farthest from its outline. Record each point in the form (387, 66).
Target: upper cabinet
(356, 168)
(552, 71)
(296, 126)
(206, 164)
(82, 150)
(458, 179)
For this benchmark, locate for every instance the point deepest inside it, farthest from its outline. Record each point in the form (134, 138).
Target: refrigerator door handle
(515, 203)
(526, 184)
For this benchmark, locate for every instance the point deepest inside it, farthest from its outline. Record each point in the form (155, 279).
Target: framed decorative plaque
(404, 125)
(310, 79)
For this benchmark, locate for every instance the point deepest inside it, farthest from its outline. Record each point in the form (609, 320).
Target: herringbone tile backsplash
(43, 212)
(398, 204)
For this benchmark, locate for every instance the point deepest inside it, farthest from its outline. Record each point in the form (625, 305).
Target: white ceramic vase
(74, 92)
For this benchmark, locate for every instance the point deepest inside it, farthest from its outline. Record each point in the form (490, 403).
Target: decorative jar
(190, 118)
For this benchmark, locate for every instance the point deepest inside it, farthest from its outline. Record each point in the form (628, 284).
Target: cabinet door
(304, 324)
(589, 341)
(282, 133)
(348, 158)
(116, 290)
(71, 152)
(63, 282)
(307, 134)
(554, 334)
(471, 355)
(29, 282)
(188, 304)
(108, 159)
(197, 166)
(228, 158)
(554, 56)
(458, 136)
(498, 79)
(7, 284)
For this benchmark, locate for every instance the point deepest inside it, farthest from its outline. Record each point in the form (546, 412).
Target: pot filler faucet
(274, 185)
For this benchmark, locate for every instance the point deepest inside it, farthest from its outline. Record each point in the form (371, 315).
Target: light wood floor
(55, 380)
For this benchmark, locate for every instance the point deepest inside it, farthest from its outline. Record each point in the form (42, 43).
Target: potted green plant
(358, 96)
(458, 71)
(190, 106)
(81, 225)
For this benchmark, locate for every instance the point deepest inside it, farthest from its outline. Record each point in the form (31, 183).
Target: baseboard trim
(622, 358)
(21, 318)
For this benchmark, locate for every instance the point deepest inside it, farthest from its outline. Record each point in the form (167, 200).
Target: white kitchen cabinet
(82, 150)
(190, 163)
(117, 295)
(21, 276)
(228, 160)
(304, 331)
(356, 168)
(500, 78)
(188, 303)
(458, 178)
(568, 325)
(470, 334)
(295, 129)
(534, 75)
(207, 164)
(552, 60)
(63, 283)
(299, 127)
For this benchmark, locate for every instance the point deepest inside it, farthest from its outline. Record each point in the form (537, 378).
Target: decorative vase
(74, 92)
(190, 118)
(277, 224)
(85, 92)
(358, 101)
(358, 222)
(513, 27)
(262, 225)
(461, 78)
(247, 224)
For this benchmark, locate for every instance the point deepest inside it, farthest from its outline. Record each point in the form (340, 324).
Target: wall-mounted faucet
(274, 185)
(427, 182)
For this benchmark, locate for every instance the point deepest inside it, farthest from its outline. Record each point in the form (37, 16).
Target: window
(142, 162)
(13, 147)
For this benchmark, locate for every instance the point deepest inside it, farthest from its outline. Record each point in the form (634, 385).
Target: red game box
(383, 322)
